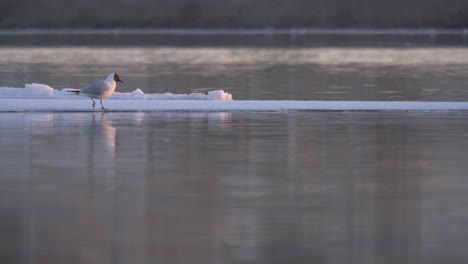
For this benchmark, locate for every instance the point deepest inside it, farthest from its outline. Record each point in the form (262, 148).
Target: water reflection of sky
(233, 187)
(320, 73)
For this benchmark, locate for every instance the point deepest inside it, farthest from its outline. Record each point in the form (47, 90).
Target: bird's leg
(94, 103)
(102, 105)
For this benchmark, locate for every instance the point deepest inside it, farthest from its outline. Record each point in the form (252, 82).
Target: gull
(100, 89)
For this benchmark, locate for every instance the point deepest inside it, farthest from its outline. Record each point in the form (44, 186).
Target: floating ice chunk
(37, 89)
(44, 91)
(137, 92)
(11, 92)
(62, 93)
(29, 90)
(219, 95)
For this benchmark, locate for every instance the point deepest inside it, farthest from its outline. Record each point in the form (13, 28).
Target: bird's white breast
(111, 88)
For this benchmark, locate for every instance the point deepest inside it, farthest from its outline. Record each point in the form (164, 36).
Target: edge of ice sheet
(43, 98)
(230, 31)
(73, 105)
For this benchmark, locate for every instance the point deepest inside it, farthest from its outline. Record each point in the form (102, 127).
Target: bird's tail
(73, 91)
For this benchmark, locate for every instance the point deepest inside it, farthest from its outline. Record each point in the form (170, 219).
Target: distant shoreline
(237, 14)
(266, 37)
(228, 31)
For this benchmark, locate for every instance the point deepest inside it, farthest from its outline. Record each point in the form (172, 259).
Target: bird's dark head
(117, 78)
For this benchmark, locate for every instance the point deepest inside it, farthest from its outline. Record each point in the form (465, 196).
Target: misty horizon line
(231, 31)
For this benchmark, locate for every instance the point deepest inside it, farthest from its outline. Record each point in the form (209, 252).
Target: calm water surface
(299, 187)
(233, 187)
(279, 73)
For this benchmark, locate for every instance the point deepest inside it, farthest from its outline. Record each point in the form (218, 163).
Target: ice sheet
(64, 105)
(41, 97)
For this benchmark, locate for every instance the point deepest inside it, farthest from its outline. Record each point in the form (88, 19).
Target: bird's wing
(96, 88)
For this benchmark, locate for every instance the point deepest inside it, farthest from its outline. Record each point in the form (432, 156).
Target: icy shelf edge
(70, 105)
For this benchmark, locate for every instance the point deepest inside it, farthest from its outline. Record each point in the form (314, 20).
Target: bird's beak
(120, 81)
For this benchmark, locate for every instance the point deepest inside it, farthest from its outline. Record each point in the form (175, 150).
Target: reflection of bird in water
(101, 140)
(100, 89)
(103, 135)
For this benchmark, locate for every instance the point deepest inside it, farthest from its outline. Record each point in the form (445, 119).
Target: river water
(242, 187)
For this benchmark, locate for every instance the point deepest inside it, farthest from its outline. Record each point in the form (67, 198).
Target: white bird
(100, 89)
